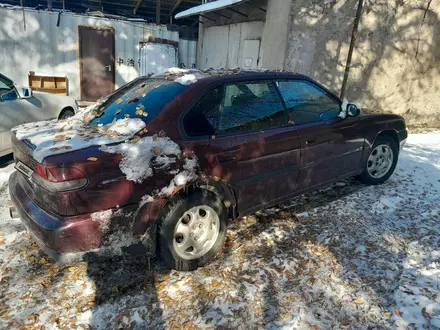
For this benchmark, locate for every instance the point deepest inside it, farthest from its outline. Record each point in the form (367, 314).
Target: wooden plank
(51, 90)
(163, 41)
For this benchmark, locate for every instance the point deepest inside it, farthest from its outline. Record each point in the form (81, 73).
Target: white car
(19, 105)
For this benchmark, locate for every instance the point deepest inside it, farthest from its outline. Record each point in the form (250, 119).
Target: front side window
(307, 102)
(236, 108)
(144, 99)
(7, 89)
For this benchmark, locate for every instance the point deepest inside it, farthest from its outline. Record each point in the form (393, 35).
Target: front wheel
(381, 162)
(192, 230)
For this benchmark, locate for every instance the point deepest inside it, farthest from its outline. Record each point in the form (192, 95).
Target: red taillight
(59, 174)
(41, 171)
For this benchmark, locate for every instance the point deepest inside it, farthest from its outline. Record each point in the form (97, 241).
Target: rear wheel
(381, 162)
(192, 230)
(66, 113)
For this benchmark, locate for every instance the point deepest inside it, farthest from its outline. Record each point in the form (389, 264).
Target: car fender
(54, 104)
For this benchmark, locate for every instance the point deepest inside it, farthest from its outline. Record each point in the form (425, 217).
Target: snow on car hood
(57, 137)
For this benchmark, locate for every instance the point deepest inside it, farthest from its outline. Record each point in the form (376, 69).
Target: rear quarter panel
(49, 106)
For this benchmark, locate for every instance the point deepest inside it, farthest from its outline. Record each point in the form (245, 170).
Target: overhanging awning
(208, 7)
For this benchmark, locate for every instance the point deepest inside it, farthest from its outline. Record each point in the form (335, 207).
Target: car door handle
(311, 141)
(226, 158)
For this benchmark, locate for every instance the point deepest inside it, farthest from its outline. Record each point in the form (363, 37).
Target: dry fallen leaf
(2, 241)
(92, 159)
(135, 139)
(358, 302)
(397, 312)
(145, 114)
(155, 137)
(216, 283)
(118, 101)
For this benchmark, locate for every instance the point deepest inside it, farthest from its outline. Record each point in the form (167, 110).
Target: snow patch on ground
(359, 257)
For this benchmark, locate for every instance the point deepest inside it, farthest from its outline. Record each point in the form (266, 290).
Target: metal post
(157, 11)
(350, 50)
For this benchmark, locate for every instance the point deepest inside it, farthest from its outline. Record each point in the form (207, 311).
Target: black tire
(173, 212)
(366, 177)
(67, 113)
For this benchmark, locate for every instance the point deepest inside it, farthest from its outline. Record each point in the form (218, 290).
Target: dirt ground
(349, 256)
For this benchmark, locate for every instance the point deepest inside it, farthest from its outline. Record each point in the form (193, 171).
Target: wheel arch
(67, 108)
(221, 189)
(390, 133)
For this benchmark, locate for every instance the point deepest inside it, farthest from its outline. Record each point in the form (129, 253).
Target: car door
(331, 147)
(252, 147)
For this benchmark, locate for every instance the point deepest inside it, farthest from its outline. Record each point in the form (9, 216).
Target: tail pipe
(13, 212)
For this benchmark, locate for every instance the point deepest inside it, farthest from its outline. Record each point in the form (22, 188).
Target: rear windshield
(142, 98)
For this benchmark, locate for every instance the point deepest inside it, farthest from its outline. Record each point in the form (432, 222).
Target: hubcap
(196, 232)
(380, 161)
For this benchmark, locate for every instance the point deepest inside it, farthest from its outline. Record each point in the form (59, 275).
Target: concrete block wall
(396, 62)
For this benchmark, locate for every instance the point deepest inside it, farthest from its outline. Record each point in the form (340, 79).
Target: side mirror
(353, 110)
(24, 92)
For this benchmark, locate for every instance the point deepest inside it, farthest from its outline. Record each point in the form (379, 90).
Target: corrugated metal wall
(187, 53)
(44, 47)
(223, 45)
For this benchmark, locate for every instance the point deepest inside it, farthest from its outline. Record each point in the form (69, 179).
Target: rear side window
(144, 99)
(307, 102)
(236, 108)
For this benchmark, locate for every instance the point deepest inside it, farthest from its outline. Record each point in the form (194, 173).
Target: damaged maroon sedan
(173, 159)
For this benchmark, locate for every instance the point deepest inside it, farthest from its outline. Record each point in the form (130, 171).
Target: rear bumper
(62, 237)
(53, 234)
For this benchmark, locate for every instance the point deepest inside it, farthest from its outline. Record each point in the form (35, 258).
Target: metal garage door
(155, 57)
